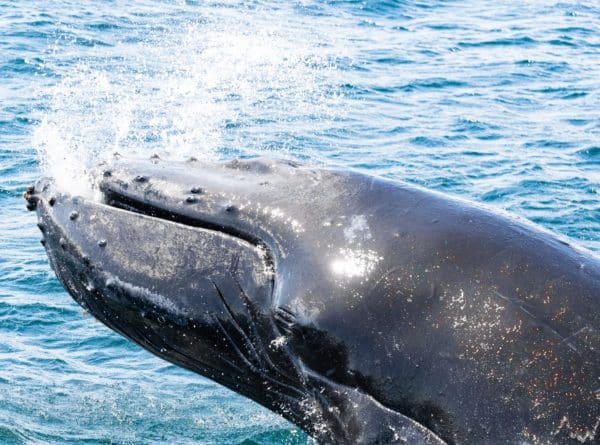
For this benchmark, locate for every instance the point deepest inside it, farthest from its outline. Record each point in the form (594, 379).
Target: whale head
(212, 266)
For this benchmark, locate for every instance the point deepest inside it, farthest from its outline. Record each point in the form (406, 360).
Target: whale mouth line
(143, 207)
(132, 204)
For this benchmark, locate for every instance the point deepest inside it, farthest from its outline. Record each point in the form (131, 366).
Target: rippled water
(494, 102)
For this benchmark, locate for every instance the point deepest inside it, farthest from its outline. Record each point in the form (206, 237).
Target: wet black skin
(361, 309)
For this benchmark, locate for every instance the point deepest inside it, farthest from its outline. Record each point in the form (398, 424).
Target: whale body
(363, 310)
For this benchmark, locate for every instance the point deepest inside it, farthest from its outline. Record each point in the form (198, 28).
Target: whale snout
(161, 282)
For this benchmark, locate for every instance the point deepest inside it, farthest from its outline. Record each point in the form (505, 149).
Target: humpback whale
(364, 310)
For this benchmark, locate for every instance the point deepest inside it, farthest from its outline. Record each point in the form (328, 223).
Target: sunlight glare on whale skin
(355, 263)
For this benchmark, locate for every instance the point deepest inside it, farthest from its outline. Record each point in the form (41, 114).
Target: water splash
(205, 88)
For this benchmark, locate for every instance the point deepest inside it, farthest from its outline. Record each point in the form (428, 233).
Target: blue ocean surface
(497, 102)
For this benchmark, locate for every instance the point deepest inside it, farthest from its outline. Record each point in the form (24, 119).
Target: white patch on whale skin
(355, 262)
(358, 230)
(141, 293)
(278, 342)
(580, 436)
(306, 314)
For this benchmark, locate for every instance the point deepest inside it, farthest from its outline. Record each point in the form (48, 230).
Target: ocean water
(497, 102)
